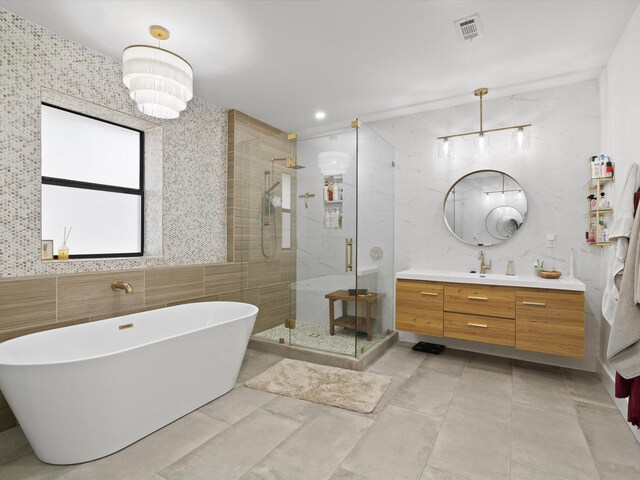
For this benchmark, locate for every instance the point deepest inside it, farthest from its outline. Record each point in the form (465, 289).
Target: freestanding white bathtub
(89, 390)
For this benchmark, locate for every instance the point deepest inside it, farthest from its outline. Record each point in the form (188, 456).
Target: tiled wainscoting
(32, 304)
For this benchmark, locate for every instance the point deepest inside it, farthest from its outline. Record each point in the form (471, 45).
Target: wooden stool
(361, 324)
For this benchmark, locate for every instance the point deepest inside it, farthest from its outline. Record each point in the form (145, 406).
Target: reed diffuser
(63, 250)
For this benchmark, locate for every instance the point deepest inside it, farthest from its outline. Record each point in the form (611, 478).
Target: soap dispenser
(511, 269)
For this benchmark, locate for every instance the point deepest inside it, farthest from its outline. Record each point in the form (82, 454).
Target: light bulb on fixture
(481, 144)
(520, 140)
(320, 115)
(445, 149)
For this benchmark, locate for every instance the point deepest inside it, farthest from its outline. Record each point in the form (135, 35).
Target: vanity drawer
(533, 300)
(498, 331)
(419, 307)
(418, 294)
(550, 322)
(480, 300)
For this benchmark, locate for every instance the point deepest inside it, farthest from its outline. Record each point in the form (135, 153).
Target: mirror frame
(446, 196)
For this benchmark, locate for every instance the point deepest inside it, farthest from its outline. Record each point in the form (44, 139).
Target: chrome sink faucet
(483, 266)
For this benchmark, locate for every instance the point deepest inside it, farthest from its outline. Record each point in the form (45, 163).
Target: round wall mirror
(486, 207)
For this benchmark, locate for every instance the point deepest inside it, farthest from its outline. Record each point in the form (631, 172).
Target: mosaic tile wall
(194, 196)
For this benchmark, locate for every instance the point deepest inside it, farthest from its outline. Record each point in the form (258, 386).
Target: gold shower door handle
(348, 254)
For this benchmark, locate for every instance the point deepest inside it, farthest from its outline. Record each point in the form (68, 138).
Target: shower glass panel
(264, 254)
(325, 315)
(374, 261)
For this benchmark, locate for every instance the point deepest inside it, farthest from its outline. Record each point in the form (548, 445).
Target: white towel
(619, 233)
(623, 350)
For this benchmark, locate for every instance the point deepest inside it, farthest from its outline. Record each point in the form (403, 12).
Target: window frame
(63, 182)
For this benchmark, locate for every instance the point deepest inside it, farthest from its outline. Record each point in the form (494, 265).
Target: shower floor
(317, 336)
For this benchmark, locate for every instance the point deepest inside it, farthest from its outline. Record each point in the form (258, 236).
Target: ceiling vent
(469, 28)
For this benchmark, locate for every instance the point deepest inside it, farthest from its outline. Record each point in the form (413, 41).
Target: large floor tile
(342, 474)
(449, 361)
(29, 467)
(151, 454)
(491, 390)
(13, 444)
(522, 472)
(396, 446)
(587, 387)
(612, 444)
(427, 392)
(294, 408)
(397, 361)
(533, 368)
(490, 362)
(233, 452)
(236, 404)
(474, 442)
(543, 391)
(255, 363)
(431, 473)
(316, 449)
(551, 443)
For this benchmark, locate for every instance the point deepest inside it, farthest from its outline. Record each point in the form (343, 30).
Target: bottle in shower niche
(327, 218)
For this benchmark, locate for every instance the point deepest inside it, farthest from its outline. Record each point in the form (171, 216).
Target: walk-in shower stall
(320, 218)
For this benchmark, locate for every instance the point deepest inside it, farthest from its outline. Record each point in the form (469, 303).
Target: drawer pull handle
(535, 304)
(479, 325)
(484, 299)
(433, 294)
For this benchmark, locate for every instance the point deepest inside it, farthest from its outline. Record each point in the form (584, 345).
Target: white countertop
(529, 281)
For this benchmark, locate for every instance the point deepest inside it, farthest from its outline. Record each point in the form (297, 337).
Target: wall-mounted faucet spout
(120, 285)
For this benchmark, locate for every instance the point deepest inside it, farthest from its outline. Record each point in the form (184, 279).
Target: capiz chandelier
(159, 81)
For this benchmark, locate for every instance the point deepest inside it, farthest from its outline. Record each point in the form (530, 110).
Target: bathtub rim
(254, 309)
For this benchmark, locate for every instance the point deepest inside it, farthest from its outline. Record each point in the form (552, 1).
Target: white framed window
(92, 181)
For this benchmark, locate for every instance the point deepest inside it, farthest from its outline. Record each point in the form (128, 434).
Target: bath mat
(338, 387)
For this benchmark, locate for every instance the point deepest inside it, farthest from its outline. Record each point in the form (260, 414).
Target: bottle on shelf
(592, 202)
(325, 191)
(330, 192)
(603, 202)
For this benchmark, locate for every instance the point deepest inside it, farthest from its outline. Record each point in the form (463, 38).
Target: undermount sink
(530, 281)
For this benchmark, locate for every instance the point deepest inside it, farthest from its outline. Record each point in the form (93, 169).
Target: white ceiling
(280, 61)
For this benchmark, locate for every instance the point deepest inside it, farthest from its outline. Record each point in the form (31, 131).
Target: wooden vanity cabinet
(419, 307)
(533, 319)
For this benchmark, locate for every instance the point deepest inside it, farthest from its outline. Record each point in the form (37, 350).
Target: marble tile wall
(553, 174)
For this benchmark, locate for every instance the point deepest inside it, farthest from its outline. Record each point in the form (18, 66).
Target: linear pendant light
(520, 139)
(159, 81)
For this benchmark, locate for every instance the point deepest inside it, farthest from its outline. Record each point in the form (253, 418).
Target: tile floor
(456, 416)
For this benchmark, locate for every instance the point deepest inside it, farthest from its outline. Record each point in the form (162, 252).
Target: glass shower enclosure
(332, 205)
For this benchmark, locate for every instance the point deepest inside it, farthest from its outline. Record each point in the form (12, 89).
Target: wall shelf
(595, 187)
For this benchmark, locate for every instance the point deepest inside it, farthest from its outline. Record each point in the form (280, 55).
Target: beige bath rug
(357, 391)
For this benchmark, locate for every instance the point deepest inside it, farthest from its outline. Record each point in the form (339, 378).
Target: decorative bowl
(551, 274)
